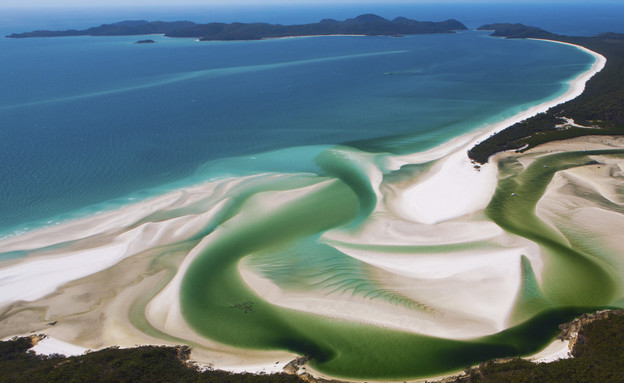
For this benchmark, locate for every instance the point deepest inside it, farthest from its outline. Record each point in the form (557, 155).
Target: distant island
(516, 31)
(149, 41)
(369, 25)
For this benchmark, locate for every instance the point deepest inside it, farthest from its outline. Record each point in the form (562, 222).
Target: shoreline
(122, 230)
(453, 188)
(454, 179)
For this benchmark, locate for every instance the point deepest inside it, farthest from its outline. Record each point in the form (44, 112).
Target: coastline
(453, 188)
(453, 179)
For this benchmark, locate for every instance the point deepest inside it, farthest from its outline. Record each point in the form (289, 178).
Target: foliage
(141, 364)
(598, 356)
(362, 25)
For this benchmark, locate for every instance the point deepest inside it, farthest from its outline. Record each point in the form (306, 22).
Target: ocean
(89, 123)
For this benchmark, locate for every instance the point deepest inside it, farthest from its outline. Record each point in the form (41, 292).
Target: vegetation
(142, 364)
(600, 107)
(598, 356)
(362, 25)
(597, 352)
(516, 31)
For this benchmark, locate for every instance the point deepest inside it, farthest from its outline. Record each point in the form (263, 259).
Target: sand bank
(586, 202)
(80, 254)
(557, 350)
(49, 346)
(164, 311)
(468, 302)
(63, 253)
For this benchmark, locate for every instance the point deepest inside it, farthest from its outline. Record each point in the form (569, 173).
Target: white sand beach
(49, 346)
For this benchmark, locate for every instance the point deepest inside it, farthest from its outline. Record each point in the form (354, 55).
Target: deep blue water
(92, 122)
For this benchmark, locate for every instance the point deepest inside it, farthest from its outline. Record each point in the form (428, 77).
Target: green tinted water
(217, 303)
(310, 265)
(571, 276)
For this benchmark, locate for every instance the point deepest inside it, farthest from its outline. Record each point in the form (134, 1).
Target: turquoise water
(90, 123)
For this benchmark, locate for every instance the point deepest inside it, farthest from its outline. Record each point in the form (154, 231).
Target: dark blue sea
(92, 123)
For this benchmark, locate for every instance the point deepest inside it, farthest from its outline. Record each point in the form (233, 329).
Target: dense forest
(149, 364)
(600, 108)
(598, 356)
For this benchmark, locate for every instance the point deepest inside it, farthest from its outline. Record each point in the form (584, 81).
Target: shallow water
(571, 276)
(107, 122)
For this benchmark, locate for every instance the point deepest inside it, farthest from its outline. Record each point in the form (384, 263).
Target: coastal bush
(142, 364)
(598, 356)
(514, 137)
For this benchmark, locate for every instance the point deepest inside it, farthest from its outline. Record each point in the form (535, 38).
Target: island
(123, 28)
(598, 111)
(149, 41)
(367, 25)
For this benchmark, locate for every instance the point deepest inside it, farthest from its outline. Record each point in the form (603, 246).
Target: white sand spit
(557, 350)
(49, 346)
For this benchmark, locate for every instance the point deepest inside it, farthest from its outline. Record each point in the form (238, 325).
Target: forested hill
(601, 106)
(368, 24)
(122, 28)
(516, 31)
